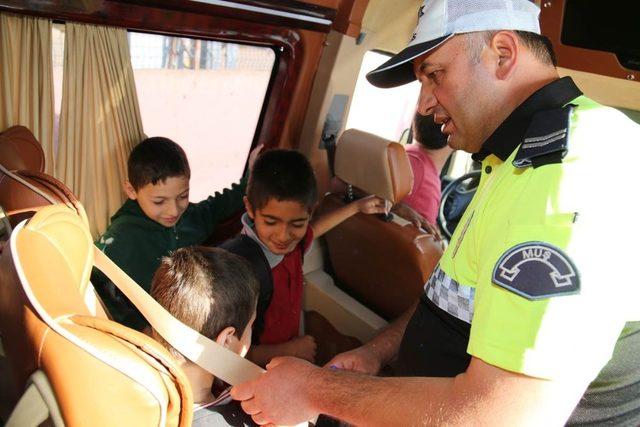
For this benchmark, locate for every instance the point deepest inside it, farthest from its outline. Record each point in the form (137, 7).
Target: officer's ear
(505, 49)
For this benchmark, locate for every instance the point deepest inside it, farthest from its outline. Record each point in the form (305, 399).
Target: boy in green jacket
(157, 219)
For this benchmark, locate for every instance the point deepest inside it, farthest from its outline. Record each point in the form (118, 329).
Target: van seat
(382, 262)
(374, 165)
(101, 372)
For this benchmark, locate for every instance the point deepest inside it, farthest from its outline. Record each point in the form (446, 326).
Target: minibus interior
(83, 81)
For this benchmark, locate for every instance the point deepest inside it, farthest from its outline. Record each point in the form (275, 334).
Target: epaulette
(546, 139)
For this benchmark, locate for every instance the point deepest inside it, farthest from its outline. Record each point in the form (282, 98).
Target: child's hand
(405, 211)
(371, 205)
(302, 347)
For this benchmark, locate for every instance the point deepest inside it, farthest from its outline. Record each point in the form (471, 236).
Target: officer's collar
(510, 133)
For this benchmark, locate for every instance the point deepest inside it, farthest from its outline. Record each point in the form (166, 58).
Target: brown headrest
(374, 165)
(19, 149)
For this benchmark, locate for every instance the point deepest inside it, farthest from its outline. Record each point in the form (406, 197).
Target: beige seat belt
(206, 353)
(94, 304)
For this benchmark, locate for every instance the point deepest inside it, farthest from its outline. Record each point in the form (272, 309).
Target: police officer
(519, 322)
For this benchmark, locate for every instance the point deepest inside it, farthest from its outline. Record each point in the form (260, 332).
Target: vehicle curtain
(26, 78)
(100, 118)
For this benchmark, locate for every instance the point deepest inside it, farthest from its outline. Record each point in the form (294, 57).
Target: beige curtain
(26, 81)
(100, 118)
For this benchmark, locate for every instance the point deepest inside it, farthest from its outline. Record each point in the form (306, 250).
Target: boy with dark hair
(156, 219)
(214, 292)
(156, 159)
(281, 196)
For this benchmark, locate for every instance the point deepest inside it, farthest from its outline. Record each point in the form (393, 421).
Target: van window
(205, 95)
(389, 112)
(383, 112)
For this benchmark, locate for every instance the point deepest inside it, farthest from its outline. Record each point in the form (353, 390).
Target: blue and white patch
(536, 270)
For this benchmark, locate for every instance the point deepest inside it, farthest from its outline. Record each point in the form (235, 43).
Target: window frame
(296, 46)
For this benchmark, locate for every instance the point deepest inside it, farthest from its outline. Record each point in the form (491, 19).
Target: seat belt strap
(206, 353)
(90, 298)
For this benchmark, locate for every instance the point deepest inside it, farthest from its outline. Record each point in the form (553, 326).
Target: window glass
(389, 112)
(383, 112)
(205, 95)
(588, 25)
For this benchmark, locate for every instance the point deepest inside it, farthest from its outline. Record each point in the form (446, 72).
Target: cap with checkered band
(439, 20)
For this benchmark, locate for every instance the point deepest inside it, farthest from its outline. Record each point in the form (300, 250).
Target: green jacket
(136, 244)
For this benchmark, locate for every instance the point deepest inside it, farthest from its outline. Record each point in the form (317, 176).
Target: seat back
(100, 372)
(374, 165)
(382, 262)
(19, 150)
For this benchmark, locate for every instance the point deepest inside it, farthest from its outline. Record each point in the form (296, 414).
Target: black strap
(247, 248)
(434, 343)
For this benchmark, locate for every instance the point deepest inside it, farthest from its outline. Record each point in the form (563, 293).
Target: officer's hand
(405, 211)
(282, 395)
(361, 359)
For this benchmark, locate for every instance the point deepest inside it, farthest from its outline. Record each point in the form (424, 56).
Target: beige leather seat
(383, 263)
(97, 372)
(79, 368)
(100, 372)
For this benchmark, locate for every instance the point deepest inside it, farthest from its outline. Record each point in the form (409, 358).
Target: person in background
(427, 156)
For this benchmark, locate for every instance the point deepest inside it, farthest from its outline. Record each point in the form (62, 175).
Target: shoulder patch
(546, 139)
(536, 270)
